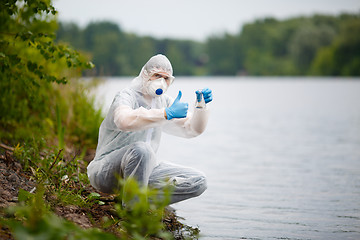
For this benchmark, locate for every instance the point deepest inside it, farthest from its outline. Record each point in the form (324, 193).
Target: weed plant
(32, 219)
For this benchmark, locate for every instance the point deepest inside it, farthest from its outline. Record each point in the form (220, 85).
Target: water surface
(282, 157)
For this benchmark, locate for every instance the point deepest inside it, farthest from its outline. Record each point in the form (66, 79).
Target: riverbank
(99, 212)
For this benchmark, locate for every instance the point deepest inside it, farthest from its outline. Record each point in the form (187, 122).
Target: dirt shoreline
(13, 178)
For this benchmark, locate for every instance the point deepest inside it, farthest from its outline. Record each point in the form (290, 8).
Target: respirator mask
(156, 87)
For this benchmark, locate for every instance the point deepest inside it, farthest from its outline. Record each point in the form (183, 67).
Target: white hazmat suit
(130, 134)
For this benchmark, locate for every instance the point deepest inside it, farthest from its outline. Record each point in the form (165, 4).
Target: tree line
(320, 45)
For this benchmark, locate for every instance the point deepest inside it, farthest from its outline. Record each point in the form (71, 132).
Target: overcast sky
(192, 19)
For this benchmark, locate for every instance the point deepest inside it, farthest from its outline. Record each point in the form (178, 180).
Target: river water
(282, 157)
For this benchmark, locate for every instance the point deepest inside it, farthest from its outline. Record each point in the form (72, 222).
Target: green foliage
(342, 57)
(306, 42)
(95, 198)
(74, 114)
(225, 55)
(141, 219)
(32, 219)
(60, 128)
(142, 210)
(295, 46)
(59, 173)
(115, 52)
(31, 65)
(27, 47)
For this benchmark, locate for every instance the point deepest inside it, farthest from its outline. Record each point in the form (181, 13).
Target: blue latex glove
(207, 93)
(177, 109)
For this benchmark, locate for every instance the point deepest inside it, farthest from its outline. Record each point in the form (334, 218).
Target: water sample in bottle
(200, 102)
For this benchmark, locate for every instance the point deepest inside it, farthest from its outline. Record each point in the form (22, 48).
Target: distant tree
(105, 41)
(265, 47)
(135, 51)
(342, 57)
(70, 33)
(224, 55)
(307, 40)
(295, 46)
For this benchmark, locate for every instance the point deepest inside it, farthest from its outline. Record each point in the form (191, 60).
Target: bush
(31, 66)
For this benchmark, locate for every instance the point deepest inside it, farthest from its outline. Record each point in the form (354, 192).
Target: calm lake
(282, 157)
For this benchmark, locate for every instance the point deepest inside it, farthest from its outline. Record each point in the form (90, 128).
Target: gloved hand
(177, 109)
(207, 93)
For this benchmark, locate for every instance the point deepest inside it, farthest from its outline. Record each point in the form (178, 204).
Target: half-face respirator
(157, 87)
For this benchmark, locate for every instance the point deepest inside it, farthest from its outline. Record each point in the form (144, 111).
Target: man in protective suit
(130, 135)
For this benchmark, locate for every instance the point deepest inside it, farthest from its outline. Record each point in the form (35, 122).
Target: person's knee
(141, 150)
(138, 162)
(138, 153)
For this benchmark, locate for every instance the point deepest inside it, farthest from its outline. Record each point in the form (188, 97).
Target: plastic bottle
(200, 102)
